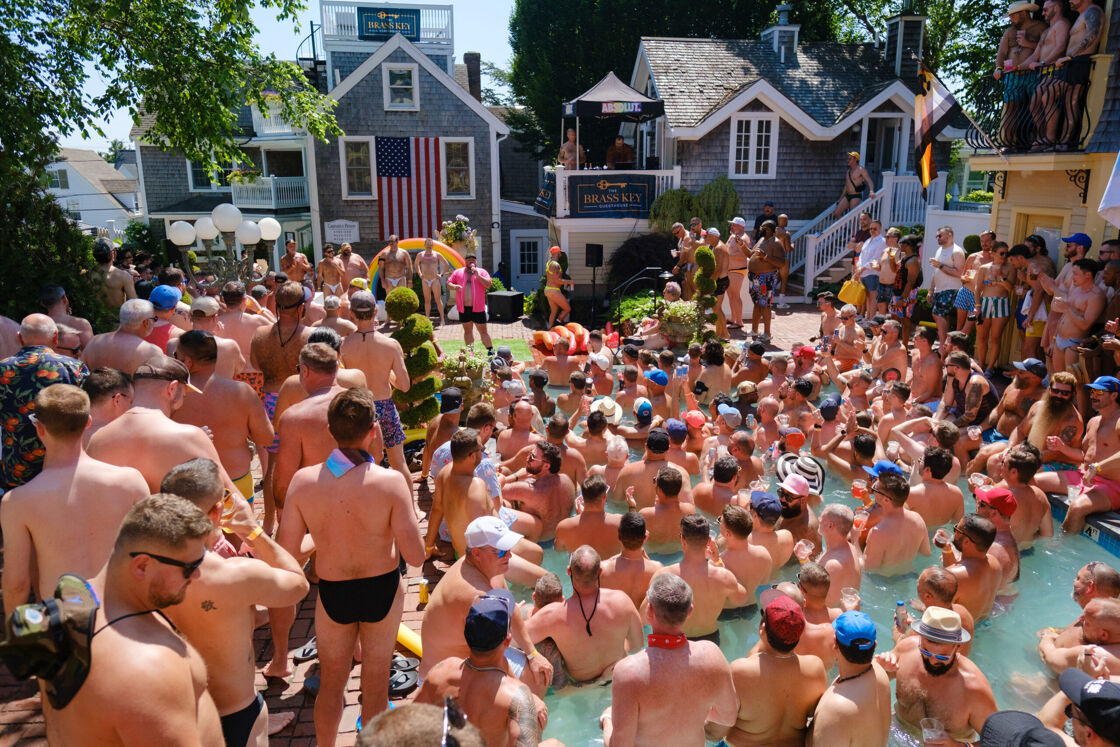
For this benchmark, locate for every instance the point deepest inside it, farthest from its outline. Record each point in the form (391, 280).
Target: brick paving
(21, 719)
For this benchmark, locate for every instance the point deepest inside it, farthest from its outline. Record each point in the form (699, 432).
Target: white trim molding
(386, 100)
(343, 171)
(399, 42)
(443, 141)
(754, 137)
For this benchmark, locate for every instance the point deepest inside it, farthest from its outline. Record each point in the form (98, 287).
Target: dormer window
(401, 87)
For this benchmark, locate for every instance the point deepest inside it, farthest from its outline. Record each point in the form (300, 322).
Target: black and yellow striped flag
(934, 109)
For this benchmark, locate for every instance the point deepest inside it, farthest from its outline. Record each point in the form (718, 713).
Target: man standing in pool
(935, 680)
(1096, 580)
(361, 596)
(651, 683)
(978, 572)
(611, 628)
(856, 708)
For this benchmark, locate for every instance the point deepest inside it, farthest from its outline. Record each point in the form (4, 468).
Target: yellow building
(1049, 191)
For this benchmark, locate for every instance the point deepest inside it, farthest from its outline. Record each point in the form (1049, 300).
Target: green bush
(978, 195)
(672, 206)
(421, 361)
(633, 306)
(704, 283)
(971, 243)
(706, 259)
(718, 202)
(496, 285)
(426, 387)
(414, 331)
(401, 303)
(420, 414)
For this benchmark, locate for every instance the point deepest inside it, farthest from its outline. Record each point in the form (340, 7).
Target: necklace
(280, 335)
(790, 655)
(483, 669)
(838, 680)
(586, 619)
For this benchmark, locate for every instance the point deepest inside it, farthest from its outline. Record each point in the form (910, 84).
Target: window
(200, 178)
(356, 157)
(457, 167)
(754, 146)
(59, 179)
(528, 258)
(73, 209)
(401, 92)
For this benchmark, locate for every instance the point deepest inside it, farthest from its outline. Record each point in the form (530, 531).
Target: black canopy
(610, 98)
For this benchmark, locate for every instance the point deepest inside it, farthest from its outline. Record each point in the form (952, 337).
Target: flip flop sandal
(404, 663)
(402, 683)
(307, 652)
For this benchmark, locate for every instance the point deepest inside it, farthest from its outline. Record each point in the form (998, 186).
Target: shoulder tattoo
(1067, 434)
(523, 710)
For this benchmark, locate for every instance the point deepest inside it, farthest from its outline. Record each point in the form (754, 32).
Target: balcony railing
(663, 180)
(340, 20)
(1034, 110)
(269, 122)
(271, 193)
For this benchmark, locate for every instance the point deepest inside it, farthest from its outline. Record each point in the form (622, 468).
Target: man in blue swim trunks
(948, 266)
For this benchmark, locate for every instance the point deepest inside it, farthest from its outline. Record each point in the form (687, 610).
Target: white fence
(340, 20)
(271, 192)
(666, 179)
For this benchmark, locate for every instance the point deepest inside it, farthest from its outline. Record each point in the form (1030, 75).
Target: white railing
(340, 20)
(269, 122)
(822, 242)
(664, 180)
(272, 192)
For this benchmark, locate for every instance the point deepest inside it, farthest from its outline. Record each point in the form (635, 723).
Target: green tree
(115, 147)
(192, 64)
(561, 51)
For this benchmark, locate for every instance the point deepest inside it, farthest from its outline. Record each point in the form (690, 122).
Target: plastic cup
(941, 538)
(849, 598)
(783, 420)
(894, 448)
(933, 731)
(860, 520)
(802, 550)
(974, 432)
(1072, 491)
(859, 490)
(975, 480)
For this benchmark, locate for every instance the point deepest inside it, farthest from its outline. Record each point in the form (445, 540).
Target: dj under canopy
(610, 98)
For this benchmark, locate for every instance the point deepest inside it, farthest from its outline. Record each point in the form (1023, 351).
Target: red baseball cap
(1001, 499)
(806, 352)
(695, 418)
(555, 250)
(784, 619)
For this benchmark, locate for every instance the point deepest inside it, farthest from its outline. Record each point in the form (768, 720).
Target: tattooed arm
(973, 394)
(1093, 18)
(524, 727)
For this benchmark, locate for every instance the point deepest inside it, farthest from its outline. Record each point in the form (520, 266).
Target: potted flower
(466, 369)
(243, 176)
(678, 321)
(458, 233)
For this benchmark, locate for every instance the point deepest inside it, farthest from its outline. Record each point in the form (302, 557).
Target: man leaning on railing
(1019, 42)
(1059, 100)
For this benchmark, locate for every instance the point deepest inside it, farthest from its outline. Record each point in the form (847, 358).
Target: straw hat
(610, 409)
(941, 625)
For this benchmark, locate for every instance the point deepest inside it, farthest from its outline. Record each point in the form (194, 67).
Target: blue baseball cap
(1105, 384)
(831, 406)
(881, 466)
(1079, 238)
(487, 622)
(677, 429)
(643, 408)
(165, 298)
(1032, 365)
(853, 626)
(657, 376)
(730, 415)
(766, 505)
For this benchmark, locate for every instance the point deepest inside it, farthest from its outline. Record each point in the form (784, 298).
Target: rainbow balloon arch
(415, 246)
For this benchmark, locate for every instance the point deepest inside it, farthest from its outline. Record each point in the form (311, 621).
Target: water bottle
(899, 611)
(752, 423)
(682, 370)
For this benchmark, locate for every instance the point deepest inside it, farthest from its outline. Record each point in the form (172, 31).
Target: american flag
(408, 186)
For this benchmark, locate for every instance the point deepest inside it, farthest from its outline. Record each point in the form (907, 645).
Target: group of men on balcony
(1044, 65)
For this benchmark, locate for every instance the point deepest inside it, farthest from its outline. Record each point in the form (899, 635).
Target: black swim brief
(360, 599)
(1077, 70)
(722, 285)
(713, 637)
(237, 727)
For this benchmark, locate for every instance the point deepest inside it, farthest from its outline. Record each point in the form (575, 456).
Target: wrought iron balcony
(1033, 111)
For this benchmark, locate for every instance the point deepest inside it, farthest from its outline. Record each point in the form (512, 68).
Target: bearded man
(1053, 426)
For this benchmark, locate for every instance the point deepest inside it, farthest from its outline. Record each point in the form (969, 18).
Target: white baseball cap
(738, 220)
(600, 360)
(490, 531)
(713, 231)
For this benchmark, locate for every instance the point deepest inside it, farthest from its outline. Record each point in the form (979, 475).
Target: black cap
(657, 441)
(487, 623)
(1017, 729)
(631, 351)
(1099, 700)
(450, 400)
(877, 320)
(757, 348)
(538, 376)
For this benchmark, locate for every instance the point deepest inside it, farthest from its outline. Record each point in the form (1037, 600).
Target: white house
(91, 191)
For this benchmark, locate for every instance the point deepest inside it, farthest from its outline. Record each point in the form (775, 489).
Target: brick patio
(21, 720)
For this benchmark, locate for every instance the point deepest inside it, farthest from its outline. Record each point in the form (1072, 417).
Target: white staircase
(819, 245)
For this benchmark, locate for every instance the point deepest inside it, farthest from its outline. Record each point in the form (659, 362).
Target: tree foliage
(561, 51)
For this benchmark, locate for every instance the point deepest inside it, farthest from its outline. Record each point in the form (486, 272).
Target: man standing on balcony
(618, 153)
(1051, 46)
(948, 264)
(1058, 98)
(1017, 45)
(295, 264)
(568, 151)
(856, 179)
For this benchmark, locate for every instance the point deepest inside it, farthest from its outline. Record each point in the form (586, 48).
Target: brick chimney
(783, 35)
(473, 61)
(906, 34)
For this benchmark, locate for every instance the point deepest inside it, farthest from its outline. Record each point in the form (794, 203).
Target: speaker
(593, 255)
(653, 162)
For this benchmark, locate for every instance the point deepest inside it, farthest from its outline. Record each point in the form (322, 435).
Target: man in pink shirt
(470, 284)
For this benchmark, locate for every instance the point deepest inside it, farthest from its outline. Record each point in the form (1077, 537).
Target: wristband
(532, 654)
(257, 532)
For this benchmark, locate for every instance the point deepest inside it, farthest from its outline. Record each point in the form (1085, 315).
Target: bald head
(584, 566)
(939, 583)
(38, 329)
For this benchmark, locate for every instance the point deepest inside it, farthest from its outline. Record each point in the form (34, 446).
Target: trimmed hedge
(401, 303)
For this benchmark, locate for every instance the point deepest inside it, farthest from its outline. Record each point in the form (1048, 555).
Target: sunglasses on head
(453, 716)
(188, 568)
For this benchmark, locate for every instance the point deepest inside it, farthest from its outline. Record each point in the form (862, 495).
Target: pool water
(1005, 646)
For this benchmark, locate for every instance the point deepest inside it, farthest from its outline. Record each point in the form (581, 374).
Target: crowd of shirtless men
(143, 484)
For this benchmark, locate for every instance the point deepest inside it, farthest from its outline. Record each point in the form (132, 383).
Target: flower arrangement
(242, 176)
(466, 369)
(459, 230)
(681, 312)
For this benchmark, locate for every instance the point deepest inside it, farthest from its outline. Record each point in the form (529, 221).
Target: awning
(610, 98)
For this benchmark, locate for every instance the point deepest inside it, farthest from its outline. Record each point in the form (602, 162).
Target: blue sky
(480, 26)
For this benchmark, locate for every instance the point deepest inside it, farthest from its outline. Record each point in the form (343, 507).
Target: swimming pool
(1005, 645)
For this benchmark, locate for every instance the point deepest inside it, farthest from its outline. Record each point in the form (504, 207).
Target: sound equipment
(593, 255)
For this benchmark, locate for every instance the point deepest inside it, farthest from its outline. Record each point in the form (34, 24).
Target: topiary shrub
(401, 303)
(418, 405)
(971, 244)
(705, 278)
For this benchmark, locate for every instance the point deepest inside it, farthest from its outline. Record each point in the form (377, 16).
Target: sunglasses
(188, 568)
(958, 530)
(1061, 392)
(845, 318)
(453, 716)
(935, 657)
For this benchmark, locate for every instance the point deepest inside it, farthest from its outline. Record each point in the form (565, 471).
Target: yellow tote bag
(853, 292)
